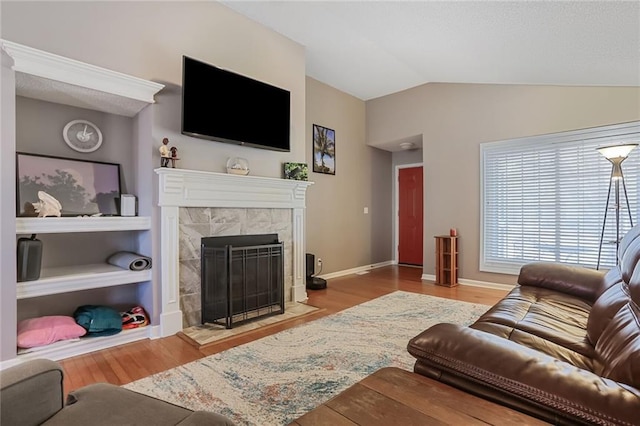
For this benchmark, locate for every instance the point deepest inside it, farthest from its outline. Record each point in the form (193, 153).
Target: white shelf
(81, 277)
(53, 225)
(65, 349)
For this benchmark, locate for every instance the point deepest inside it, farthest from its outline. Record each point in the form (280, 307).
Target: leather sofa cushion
(605, 309)
(619, 346)
(559, 321)
(629, 260)
(583, 283)
(634, 287)
(628, 239)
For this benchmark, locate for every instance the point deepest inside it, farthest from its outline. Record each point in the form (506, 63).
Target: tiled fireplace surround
(194, 204)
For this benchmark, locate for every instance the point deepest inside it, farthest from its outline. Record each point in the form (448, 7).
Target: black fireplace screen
(242, 278)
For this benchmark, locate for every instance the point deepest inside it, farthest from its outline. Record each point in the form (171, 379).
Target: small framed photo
(82, 187)
(296, 171)
(324, 150)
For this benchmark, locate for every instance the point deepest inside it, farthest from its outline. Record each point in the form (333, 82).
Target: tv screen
(224, 106)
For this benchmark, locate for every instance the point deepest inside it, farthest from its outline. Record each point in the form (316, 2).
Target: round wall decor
(82, 135)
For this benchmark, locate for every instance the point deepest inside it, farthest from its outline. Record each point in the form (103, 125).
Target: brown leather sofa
(563, 346)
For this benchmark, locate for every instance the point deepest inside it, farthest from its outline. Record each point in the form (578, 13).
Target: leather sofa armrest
(31, 392)
(523, 375)
(574, 280)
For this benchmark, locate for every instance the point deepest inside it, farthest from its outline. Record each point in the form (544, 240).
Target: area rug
(205, 334)
(278, 378)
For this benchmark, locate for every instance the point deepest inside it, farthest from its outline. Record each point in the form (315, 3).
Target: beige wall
(455, 118)
(337, 229)
(148, 39)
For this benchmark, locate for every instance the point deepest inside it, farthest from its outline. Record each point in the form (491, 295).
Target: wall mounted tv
(224, 106)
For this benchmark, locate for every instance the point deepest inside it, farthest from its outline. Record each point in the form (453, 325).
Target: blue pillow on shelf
(98, 320)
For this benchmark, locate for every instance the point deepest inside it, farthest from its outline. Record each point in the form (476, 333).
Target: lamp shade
(617, 151)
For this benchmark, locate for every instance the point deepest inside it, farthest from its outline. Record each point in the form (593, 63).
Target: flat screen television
(223, 106)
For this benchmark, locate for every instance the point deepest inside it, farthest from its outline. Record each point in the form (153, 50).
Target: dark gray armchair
(31, 393)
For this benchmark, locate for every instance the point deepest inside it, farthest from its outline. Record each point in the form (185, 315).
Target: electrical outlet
(319, 262)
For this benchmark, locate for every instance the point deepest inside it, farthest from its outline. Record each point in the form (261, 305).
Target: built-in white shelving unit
(58, 225)
(65, 349)
(48, 77)
(65, 279)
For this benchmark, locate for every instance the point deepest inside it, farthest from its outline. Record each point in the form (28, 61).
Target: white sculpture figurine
(47, 206)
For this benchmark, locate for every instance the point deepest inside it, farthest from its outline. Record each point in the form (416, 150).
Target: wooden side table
(446, 260)
(392, 396)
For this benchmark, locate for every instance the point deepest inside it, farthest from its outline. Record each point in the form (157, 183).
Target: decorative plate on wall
(82, 135)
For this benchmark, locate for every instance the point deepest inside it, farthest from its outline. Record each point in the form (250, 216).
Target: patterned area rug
(276, 379)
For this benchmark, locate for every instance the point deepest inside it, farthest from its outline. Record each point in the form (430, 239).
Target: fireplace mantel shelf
(193, 188)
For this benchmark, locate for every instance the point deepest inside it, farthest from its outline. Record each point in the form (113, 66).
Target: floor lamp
(616, 154)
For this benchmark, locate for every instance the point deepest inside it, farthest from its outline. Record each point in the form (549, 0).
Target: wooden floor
(409, 399)
(133, 361)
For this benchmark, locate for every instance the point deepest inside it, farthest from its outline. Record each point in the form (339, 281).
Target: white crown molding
(50, 77)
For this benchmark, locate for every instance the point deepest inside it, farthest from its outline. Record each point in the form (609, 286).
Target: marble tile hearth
(198, 222)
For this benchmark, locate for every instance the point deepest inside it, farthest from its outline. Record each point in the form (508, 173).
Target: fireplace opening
(242, 278)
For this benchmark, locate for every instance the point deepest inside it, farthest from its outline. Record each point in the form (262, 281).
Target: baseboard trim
(486, 284)
(424, 277)
(474, 283)
(351, 271)
(428, 277)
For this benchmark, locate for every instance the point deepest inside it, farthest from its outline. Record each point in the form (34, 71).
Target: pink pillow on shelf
(46, 330)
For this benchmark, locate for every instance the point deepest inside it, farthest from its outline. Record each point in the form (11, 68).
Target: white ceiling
(373, 48)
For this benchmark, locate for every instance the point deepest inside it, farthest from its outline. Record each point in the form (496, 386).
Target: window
(544, 197)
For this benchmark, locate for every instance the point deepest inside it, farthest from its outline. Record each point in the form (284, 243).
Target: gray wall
(148, 40)
(39, 127)
(338, 231)
(455, 118)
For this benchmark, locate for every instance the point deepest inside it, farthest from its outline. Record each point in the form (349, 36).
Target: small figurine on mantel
(174, 156)
(165, 155)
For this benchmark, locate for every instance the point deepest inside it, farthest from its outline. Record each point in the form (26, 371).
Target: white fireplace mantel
(191, 188)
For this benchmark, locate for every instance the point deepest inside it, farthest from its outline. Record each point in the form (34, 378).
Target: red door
(410, 216)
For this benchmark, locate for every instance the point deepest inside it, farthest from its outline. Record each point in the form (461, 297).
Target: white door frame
(396, 207)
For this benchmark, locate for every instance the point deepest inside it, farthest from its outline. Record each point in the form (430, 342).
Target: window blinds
(543, 198)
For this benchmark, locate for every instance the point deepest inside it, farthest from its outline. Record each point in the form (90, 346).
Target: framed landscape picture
(324, 150)
(82, 187)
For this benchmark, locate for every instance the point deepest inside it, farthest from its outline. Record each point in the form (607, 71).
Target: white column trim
(299, 288)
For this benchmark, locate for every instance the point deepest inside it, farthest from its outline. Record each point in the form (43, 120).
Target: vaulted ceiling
(373, 48)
